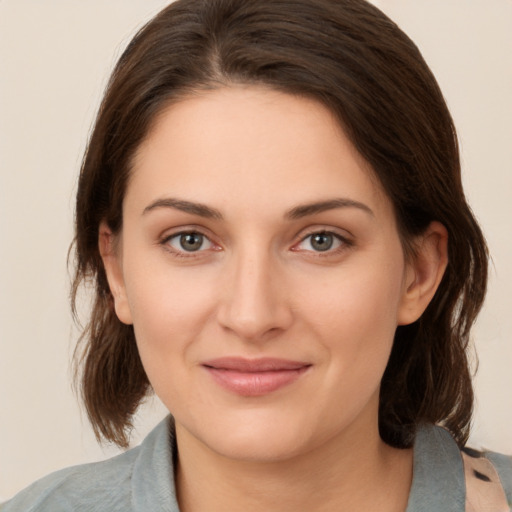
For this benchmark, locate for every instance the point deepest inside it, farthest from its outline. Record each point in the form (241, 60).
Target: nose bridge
(253, 301)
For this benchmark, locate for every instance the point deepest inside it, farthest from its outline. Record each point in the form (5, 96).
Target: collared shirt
(142, 479)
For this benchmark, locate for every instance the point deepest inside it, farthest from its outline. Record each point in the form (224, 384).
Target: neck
(352, 472)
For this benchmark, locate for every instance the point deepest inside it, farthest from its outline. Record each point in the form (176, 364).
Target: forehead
(258, 146)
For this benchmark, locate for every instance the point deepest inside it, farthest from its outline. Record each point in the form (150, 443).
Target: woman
(271, 210)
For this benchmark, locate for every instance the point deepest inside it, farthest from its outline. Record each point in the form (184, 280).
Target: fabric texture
(484, 491)
(141, 479)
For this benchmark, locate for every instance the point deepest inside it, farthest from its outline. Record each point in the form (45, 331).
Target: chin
(270, 445)
(253, 437)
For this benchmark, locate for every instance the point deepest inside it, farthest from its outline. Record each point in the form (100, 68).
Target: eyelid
(178, 237)
(170, 232)
(185, 230)
(345, 240)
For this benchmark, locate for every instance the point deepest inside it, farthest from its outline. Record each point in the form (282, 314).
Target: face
(261, 267)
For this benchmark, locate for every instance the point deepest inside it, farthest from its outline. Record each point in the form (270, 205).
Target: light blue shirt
(142, 479)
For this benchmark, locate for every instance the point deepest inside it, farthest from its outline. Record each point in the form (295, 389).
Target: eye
(189, 242)
(321, 241)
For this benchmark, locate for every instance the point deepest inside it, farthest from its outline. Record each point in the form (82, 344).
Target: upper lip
(265, 364)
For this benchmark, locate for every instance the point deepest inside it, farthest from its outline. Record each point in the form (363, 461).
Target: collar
(438, 474)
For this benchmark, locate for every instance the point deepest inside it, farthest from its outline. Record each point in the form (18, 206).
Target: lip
(254, 377)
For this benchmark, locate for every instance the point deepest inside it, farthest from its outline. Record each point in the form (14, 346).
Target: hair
(350, 57)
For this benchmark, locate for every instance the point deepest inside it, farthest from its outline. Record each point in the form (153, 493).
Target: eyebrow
(318, 207)
(295, 213)
(185, 206)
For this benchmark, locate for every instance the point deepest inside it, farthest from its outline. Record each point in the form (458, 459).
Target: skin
(259, 287)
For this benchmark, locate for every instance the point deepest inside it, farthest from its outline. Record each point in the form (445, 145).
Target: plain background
(55, 57)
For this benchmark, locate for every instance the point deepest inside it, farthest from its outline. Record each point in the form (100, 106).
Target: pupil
(191, 241)
(322, 241)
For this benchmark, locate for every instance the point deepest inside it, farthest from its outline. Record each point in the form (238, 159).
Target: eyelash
(344, 244)
(165, 242)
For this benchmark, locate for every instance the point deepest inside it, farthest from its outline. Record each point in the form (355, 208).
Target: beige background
(55, 57)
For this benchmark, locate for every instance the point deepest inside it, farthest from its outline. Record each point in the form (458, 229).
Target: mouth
(254, 377)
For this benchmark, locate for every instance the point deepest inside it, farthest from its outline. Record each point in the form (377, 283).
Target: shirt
(142, 479)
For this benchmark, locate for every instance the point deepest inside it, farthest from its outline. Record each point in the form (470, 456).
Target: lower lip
(255, 383)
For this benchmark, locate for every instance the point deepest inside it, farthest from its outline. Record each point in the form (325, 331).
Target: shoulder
(121, 483)
(78, 487)
(501, 465)
(447, 479)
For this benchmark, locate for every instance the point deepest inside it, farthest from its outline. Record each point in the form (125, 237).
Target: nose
(254, 304)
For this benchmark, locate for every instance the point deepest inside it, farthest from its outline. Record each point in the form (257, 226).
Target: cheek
(168, 319)
(355, 316)
(169, 309)
(360, 299)
(167, 312)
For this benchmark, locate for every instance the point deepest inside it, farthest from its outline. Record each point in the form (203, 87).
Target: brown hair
(352, 58)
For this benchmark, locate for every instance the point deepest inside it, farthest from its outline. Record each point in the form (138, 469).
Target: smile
(254, 377)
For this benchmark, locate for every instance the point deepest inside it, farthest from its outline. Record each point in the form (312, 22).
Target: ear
(424, 272)
(111, 256)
